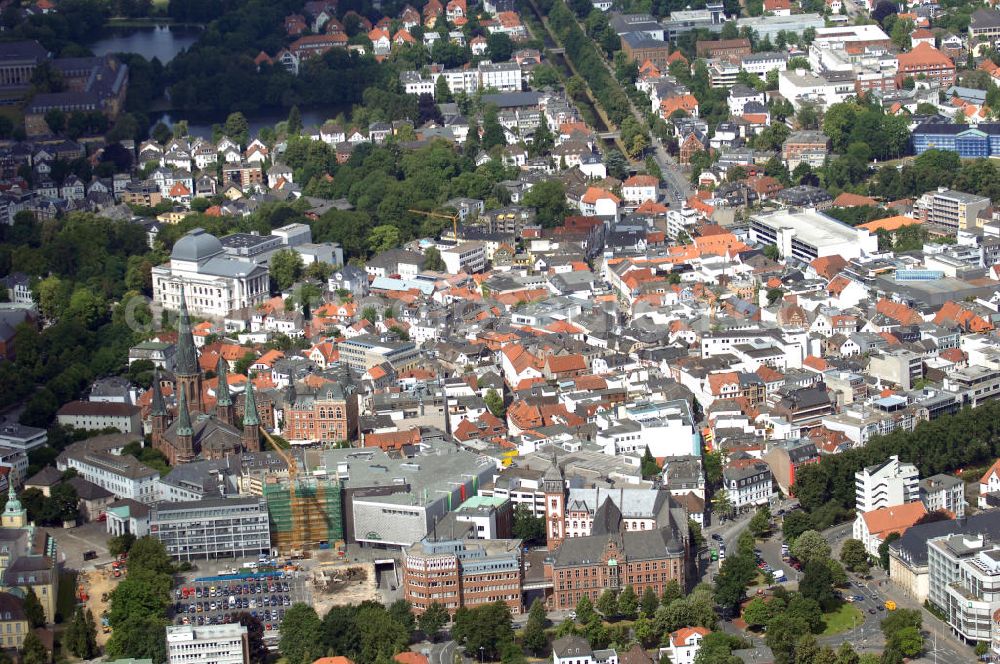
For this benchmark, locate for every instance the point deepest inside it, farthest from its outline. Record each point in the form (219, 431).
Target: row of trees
(967, 438)
(937, 168)
(589, 62)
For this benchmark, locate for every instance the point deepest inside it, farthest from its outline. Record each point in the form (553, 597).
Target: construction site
(338, 583)
(304, 514)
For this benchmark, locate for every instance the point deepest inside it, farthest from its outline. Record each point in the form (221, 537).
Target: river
(159, 41)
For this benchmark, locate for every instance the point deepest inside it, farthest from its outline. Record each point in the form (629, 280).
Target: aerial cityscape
(460, 331)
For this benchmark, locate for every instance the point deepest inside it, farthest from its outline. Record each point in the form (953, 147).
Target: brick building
(927, 61)
(329, 414)
(463, 573)
(723, 47)
(612, 560)
(639, 48)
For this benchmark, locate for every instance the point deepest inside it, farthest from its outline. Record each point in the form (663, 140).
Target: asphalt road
(942, 646)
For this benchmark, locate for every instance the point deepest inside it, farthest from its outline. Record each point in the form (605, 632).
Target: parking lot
(219, 599)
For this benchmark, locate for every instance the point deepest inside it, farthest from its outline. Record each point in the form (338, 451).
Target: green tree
(908, 641)
(382, 238)
(534, 639)
(432, 620)
(760, 523)
(549, 200)
(527, 526)
(81, 635)
(883, 549)
(771, 251)
(492, 130)
(486, 629)
(286, 268)
(237, 128)
(584, 610)
(649, 467)
(433, 260)
(33, 610)
(628, 603)
(149, 554)
(810, 546)
(140, 594)
(33, 650)
(721, 503)
(141, 637)
(735, 574)
(672, 591)
(817, 584)
(300, 635)
(757, 613)
(607, 604)
(794, 524)
(294, 122)
(649, 602)
(495, 403)
(256, 647)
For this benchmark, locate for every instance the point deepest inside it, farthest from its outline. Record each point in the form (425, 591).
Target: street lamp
(482, 649)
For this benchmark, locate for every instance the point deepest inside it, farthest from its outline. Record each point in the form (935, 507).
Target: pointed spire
(159, 405)
(187, 356)
(222, 391)
(250, 416)
(184, 426)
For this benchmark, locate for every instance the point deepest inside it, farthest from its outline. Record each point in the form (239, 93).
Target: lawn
(841, 620)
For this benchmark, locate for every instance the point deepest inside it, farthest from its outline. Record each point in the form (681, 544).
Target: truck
(779, 576)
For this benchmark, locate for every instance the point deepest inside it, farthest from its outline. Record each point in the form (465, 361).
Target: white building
(684, 644)
(212, 282)
(123, 475)
(22, 437)
(943, 492)
(501, 76)
(748, 484)
(886, 484)
(964, 582)
(801, 86)
(638, 189)
(97, 415)
(809, 234)
(467, 257)
(208, 644)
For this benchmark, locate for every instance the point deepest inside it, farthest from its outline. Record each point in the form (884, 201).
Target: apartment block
(886, 484)
(955, 210)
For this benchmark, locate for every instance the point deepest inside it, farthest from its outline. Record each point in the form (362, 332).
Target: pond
(158, 41)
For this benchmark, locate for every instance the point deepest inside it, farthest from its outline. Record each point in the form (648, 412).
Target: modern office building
(208, 644)
(212, 528)
(955, 210)
(886, 484)
(808, 234)
(366, 351)
(463, 573)
(969, 142)
(964, 581)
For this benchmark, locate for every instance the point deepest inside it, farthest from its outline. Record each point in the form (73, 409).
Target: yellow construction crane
(309, 518)
(452, 217)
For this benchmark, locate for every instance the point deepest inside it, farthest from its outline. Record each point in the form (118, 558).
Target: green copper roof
(184, 427)
(222, 391)
(187, 356)
(250, 416)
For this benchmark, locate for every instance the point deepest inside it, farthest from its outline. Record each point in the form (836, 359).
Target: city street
(941, 644)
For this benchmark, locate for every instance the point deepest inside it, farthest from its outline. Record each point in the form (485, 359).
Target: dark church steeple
(187, 371)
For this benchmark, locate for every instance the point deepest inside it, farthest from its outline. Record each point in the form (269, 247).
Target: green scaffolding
(312, 517)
